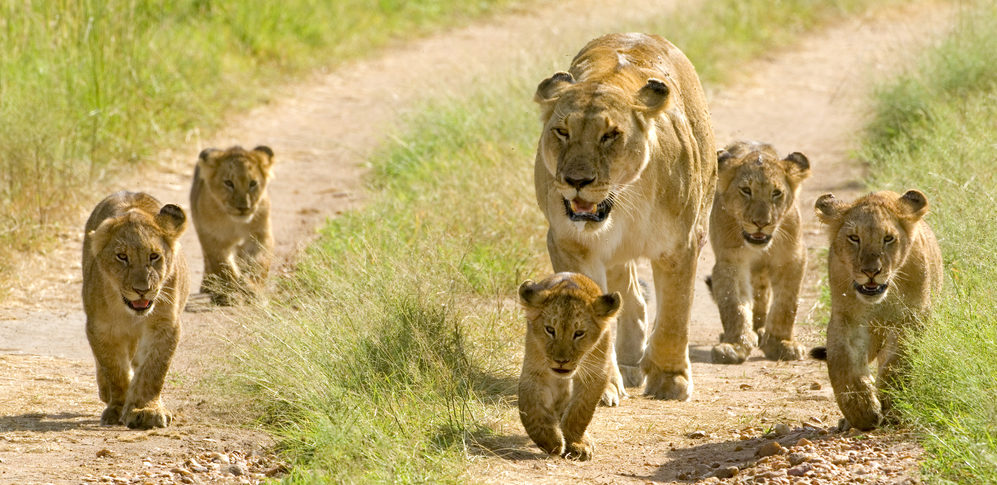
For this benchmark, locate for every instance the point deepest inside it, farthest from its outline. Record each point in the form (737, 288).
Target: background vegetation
(90, 87)
(935, 130)
(397, 343)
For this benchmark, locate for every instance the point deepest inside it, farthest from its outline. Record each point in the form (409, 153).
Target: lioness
(884, 267)
(625, 168)
(566, 364)
(231, 210)
(135, 285)
(755, 234)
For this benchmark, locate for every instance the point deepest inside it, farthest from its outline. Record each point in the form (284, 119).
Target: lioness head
(237, 178)
(569, 313)
(871, 237)
(595, 140)
(757, 189)
(136, 252)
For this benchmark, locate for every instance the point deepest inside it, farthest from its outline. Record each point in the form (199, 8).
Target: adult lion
(135, 285)
(626, 168)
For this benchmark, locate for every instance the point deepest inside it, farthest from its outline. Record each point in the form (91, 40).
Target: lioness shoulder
(135, 285)
(566, 364)
(884, 267)
(230, 207)
(760, 257)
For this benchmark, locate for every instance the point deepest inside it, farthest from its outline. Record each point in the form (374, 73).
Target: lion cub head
(757, 188)
(569, 314)
(871, 238)
(136, 253)
(237, 178)
(596, 140)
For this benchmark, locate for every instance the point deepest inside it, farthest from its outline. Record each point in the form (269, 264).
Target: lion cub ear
(100, 236)
(265, 157)
(828, 208)
(914, 204)
(172, 220)
(607, 306)
(532, 294)
(653, 97)
(551, 88)
(797, 165)
(208, 159)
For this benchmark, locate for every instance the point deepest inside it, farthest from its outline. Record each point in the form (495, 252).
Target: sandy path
(322, 131)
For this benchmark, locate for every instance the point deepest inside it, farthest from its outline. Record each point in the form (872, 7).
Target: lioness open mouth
(138, 305)
(581, 210)
(757, 237)
(870, 288)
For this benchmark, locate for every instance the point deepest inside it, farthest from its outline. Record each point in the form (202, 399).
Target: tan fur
(566, 363)
(755, 234)
(878, 239)
(230, 207)
(629, 123)
(131, 252)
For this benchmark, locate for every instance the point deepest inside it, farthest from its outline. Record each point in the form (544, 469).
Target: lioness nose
(578, 182)
(871, 271)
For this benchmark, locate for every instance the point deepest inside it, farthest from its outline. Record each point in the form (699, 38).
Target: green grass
(397, 342)
(93, 88)
(935, 131)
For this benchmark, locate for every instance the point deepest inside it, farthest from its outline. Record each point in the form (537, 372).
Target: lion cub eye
(888, 239)
(609, 136)
(122, 257)
(777, 194)
(229, 184)
(549, 330)
(252, 184)
(853, 238)
(746, 191)
(154, 257)
(561, 132)
(579, 333)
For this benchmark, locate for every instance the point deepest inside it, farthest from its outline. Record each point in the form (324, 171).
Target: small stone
(237, 470)
(769, 449)
(727, 472)
(105, 453)
(797, 458)
(697, 434)
(738, 448)
(839, 459)
(782, 429)
(799, 471)
(220, 458)
(815, 386)
(803, 442)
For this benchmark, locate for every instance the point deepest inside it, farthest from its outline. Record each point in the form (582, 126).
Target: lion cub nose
(578, 183)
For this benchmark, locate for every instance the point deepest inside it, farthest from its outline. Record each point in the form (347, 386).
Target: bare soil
(322, 130)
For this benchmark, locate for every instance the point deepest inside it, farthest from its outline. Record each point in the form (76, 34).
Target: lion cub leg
(586, 391)
(143, 408)
(731, 287)
(848, 368)
(777, 341)
(221, 274)
(541, 400)
(631, 330)
(253, 258)
(761, 290)
(113, 374)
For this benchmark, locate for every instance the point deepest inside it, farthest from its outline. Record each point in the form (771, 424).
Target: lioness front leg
(731, 288)
(848, 369)
(631, 333)
(778, 343)
(143, 408)
(666, 359)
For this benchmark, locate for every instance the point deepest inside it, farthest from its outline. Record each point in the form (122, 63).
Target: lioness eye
(853, 238)
(776, 194)
(888, 239)
(561, 132)
(579, 333)
(153, 256)
(549, 330)
(746, 191)
(122, 257)
(229, 184)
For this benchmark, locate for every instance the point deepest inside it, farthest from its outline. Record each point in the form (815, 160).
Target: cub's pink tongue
(141, 304)
(579, 205)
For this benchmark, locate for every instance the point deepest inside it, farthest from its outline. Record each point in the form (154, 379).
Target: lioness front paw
(730, 353)
(667, 385)
(147, 418)
(581, 451)
(111, 415)
(632, 375)
(776, 349)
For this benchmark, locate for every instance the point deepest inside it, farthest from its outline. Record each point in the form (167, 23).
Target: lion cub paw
(581, 451)
(147, 418)
(667, 385)
(730, 353)
(614, 393)
(111, 415)
(775, 349)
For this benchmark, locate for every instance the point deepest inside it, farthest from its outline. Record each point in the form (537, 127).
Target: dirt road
(808, 99)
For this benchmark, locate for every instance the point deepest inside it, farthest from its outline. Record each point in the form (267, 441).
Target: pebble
(803, 442)
(782, 429)
(237, 470)
(799, 471)
(697, 434)
(770, 448)
(727, 472)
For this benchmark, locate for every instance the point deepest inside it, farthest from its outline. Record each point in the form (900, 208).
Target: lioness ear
(552, 87)
(828, 208)
(607, 305)
(915, 203)
(653, 96)
(798, 165)
(172, 220)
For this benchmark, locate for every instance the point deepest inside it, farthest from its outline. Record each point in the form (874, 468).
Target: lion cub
(566, 364)
(884, 267)
(135, 285)
(755, 234)
(231, 210)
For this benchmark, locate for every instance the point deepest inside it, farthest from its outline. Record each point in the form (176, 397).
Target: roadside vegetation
(92, 88)
(397, 341)
(935, 131)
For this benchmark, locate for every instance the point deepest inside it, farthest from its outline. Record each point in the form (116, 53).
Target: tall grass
(89, 88)
(397, 340)
(935, 131)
